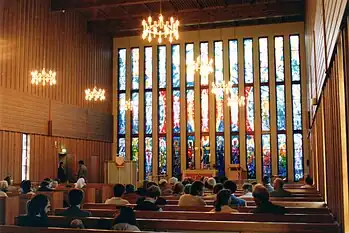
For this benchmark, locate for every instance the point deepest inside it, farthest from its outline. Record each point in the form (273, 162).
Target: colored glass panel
(204, 111)
(176, 111)
(122, 114)
(295, 60)
(282, 159)
(279, 59)
(135, 68)
(190, 111)
(218, 61)
(265, 113)
(263, 60)
(297, 107)
(148, 157)
(234, 109)
(189, 61)
(162, 156)
(162, 66)
(220, 165)
(250, 157)
(219, 112)
(162, 111)
(235, 150)
(148, 112)
(266, 156)
(190, 152)
(298, 156)
(205, 152)
(233, 61)
(122, 147)
(204, 60)
(176, 157)
(175, 66)
(248, 61)
(135, 150)
(122, 69)
(135, 115)
(280, 107)
(249, 109)
(148, 68)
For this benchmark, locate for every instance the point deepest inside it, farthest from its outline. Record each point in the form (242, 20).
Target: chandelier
(205, 67)
(43, 77)
(160, 29)
(223, 87)
(95, 94)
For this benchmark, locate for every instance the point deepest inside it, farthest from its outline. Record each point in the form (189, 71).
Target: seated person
(195, 196)
(210, 183)
(187, 188)
(223, 202)
(77, 224)
(149, 202)
(279, 190)
(126, 220)
(261, 198)
(54, 184)
(247, 189)
(36, 216)
(3, 188)
(130, 188)
(172, 181)
(218, 187)
(75, 197)
(44, 187)
(142, 189)
(178, 189)
(80, 183)
(267, 185)
(10, 187)
(119, 190)
(308, 183)
(166, 189)
(26, 187)
(235, 202)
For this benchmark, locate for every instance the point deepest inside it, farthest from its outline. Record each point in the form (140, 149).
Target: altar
(199, 173)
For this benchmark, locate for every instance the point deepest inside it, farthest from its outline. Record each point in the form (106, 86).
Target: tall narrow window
(264, 100)
(121, 143)
(135, 104)
(219, 78)
(162, 169)
(249, 98)
(296, 108)
(280, 105)
(204, 90)
(176, 111)
(148, 99)
(234, 102)
(189, 76)
(25, 156)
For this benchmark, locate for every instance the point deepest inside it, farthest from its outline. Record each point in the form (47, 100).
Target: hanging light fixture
(160, 29)
(203, 63)
(95, 94)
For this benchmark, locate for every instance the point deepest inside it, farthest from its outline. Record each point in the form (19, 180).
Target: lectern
(235, 172)
(120, 172)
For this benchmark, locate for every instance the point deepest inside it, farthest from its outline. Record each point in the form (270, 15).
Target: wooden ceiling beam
(59, 5)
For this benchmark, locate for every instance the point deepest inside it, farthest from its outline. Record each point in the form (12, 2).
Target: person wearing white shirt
(247, 189)
(119, 190)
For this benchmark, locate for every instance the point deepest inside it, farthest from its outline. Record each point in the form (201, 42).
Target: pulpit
(199, 173)
(235, 172)
(120, 172)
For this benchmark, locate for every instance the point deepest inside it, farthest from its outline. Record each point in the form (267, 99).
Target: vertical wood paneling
(32, 37)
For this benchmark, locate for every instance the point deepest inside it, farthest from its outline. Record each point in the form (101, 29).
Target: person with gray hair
(247, 189)
(279, 190)
(263, 205)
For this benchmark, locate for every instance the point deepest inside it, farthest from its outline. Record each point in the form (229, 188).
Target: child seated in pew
(119, 190)
(38, 207)
(75, 197)
(223, 201)
(195, 196)
(126, 220)
(149, 202)
(3, 188)
(261, 198)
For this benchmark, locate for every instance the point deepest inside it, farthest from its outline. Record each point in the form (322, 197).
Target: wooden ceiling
(123, 17)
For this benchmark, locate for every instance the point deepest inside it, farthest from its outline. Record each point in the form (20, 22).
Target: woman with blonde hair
(3, 188)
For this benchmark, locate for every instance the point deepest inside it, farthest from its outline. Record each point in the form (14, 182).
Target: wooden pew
(9, 209)
(89, 194)
(192, 215)
(56, 199)
(23, 202)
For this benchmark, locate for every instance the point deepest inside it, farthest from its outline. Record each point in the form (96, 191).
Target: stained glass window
(219, 112)
(175, 66)
(162, 112)
(204, 60)
(122, 114)
(135, 150)
(148, 68)
(189, 60)
(122, 69)
(298, 156)
(295, 61)
(249, 109)
(162, 66)
(235, 149)
(148, 163)
(265, 116)
(250, 157)
(280, 107)
(190, 111)
(282, 155)
(204, 111)
(279, 59)
(218, 61)
(162, 156)
(135, 121)
(122, 147)
(220, 164)
(234, 110)
(297, 107)
(176, 112)
(263, 60)
(248, 60)
(176, 156)
(266, 156)
(205, 152)
(233, 61)
(135, 68)
(190, 152)
(148, 112)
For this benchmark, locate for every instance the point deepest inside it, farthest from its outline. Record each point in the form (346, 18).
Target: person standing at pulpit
(82, 172)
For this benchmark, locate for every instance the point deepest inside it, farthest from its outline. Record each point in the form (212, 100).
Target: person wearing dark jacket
(149, 202)
(261, 198)
(38, 207)
(279, 190)
(44, 187)
(75, 197)
(61, 173)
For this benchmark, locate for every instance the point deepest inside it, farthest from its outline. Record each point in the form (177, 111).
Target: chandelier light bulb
(160, 29)
(43, 77)
(95, 94)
